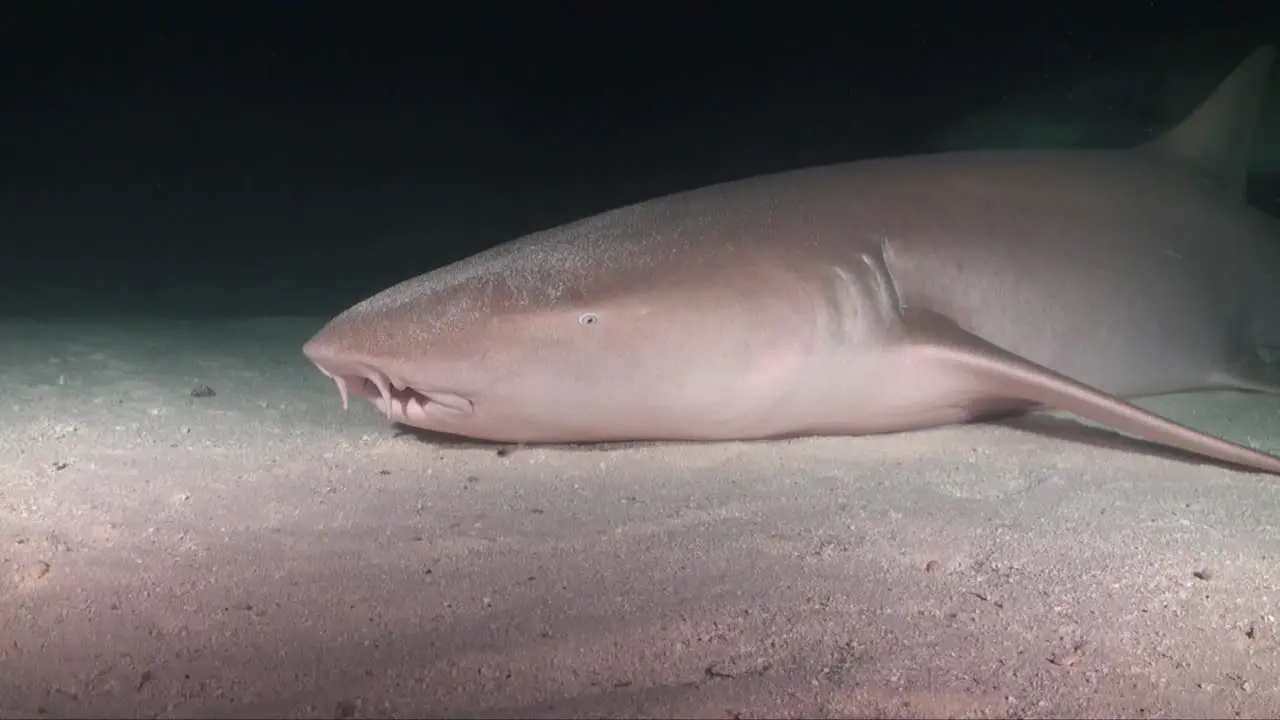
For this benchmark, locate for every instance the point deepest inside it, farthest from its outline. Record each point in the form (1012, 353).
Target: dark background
(289, 158)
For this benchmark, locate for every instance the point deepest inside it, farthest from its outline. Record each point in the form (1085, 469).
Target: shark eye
(588, 318)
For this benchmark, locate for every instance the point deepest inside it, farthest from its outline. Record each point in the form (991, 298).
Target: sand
(191, 526)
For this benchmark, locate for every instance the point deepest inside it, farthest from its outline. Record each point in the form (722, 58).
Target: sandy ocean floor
(190, 526)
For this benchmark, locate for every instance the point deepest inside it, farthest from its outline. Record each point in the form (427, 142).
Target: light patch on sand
(191, 526)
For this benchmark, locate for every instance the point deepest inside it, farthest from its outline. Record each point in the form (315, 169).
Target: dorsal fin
(1216, 136)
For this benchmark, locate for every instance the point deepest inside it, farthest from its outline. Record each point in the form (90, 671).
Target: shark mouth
(394, 398)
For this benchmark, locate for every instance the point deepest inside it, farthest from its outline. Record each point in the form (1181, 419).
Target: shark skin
(874, 296)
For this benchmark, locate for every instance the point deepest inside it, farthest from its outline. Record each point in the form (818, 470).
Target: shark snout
(392, 395)
(320, 349)
(350, 375)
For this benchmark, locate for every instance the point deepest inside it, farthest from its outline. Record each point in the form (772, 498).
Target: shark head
(590, 331)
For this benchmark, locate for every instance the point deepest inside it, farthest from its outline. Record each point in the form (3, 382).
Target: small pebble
(38, 570)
